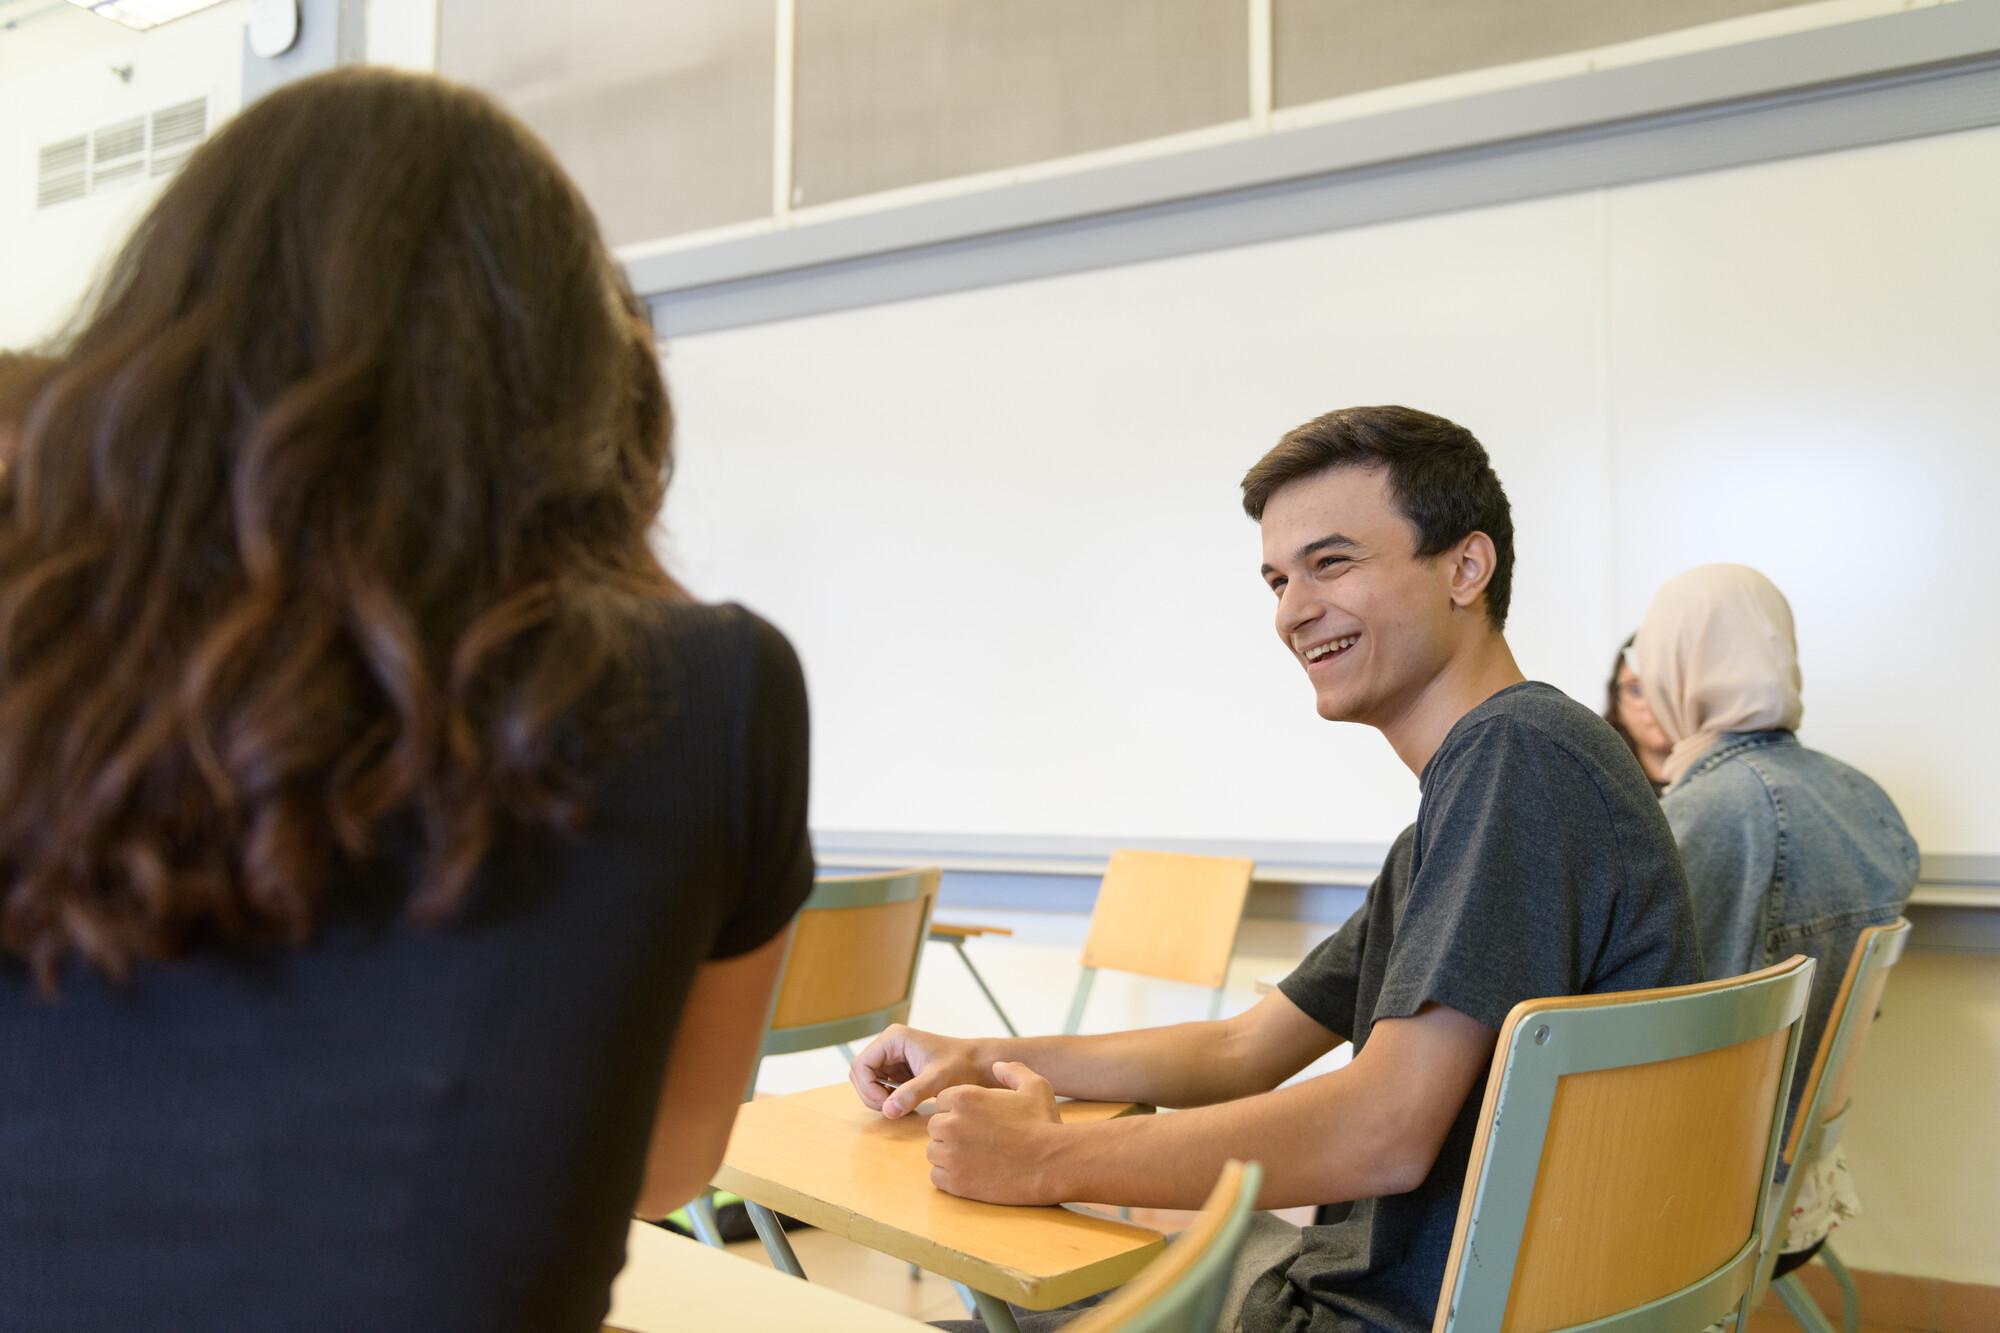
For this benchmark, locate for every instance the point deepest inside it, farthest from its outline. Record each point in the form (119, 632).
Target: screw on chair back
(1182, 1291)
(1167, 915)
(1623, 1157)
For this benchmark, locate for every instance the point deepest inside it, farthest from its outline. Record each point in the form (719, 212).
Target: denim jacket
(1787, 851)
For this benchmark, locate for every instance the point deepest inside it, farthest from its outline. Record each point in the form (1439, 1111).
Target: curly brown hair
(328, 528)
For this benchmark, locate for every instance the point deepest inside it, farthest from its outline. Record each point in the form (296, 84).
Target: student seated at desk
(394, 864)
(1787, 850)
(1539, 864)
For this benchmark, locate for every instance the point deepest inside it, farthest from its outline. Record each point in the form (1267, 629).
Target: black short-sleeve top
(1539, 865)
(398, 1127)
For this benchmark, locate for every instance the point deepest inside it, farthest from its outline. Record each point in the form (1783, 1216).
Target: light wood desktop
(670, 1283)
(824, 1158)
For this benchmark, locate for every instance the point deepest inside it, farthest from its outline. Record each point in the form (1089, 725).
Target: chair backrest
(1823, 1105)
(852, 965)
(1168, 915)
(1624, 1155)
(1182, 1290)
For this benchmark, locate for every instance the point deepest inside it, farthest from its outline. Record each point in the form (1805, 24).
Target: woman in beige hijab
(1717, 658)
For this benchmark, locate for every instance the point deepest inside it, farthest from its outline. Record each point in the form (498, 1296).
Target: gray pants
(1269, 1242)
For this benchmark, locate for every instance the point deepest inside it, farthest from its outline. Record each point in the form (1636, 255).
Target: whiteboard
(1002, 525)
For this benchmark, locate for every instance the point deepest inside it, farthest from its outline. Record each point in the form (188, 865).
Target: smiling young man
(1539, 864)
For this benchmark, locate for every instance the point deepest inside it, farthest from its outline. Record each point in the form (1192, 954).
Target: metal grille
(118, 153)
(177, 131)
(61, 171)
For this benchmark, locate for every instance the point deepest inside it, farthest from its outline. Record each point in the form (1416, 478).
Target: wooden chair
(1182, 1290)
(1823, 1114)
(1166, 915)
(1623, 1159)
(849, 972)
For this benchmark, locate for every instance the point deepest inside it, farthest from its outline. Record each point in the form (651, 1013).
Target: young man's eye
(1327, 562)
(1277, 585)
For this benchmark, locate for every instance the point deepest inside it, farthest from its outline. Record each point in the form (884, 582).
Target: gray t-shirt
(1539, 865)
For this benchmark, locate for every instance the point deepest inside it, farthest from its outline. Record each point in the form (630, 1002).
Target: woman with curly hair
(394, 862)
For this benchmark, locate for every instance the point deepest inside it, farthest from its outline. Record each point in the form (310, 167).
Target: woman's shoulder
(1722, 784)
(684, 641)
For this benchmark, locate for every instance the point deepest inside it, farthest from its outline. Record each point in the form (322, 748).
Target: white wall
(1002, 526)
(1803, 379)
(57, 81)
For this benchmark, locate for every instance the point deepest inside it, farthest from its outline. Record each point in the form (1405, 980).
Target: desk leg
(984, 989)
(702, 1217)
(772, 1233)
(994, 1312)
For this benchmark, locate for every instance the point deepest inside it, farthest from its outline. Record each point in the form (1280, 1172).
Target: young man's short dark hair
(1439, 477)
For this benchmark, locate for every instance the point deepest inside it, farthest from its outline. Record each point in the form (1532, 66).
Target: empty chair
(850, 971)
(1166, 915)
(1823, 1113)
(1182, 1290)
(1624, 1155)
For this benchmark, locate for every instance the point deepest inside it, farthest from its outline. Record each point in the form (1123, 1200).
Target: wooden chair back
(1624, 1155)
(1830, 1082)
(852, 965)
(1823, 1106)
(1168, 915)
(1182, 1291)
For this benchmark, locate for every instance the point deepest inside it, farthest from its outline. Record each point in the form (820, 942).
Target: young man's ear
(1471, 569)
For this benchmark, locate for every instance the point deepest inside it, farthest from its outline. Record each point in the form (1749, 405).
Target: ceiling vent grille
(177, 131)
(61, 171)
(131, 150)
(118, 153)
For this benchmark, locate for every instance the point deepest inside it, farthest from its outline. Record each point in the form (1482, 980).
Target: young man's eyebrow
(1332, 541)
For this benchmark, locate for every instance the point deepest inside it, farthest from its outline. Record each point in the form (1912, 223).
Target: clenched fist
(998, 1143)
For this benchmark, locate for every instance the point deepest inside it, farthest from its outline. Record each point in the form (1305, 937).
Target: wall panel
(662, 112)
(899, 92)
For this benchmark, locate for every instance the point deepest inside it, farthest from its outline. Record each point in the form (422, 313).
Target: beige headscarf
(1716, 652)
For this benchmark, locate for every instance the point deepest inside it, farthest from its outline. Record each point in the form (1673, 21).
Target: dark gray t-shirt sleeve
(1326, 984)
(778, 861)
(1515, 863)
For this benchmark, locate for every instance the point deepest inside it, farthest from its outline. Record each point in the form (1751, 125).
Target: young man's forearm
(1188, 1064)
(1172, 1161)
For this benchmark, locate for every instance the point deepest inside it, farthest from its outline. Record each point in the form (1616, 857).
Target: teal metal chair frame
(1192, 1301)
(1544, 1046)
(836, 894)
(1878, 950)
(1087, 975)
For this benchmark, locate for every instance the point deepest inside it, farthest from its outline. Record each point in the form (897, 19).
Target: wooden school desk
(824, 1158)
(671, 1284)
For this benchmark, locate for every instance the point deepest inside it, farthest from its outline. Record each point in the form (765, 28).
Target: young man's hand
(920, 1065)
(996, 1143)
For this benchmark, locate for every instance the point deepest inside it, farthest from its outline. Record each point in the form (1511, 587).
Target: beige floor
(885, 1282)
(865, 1275)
